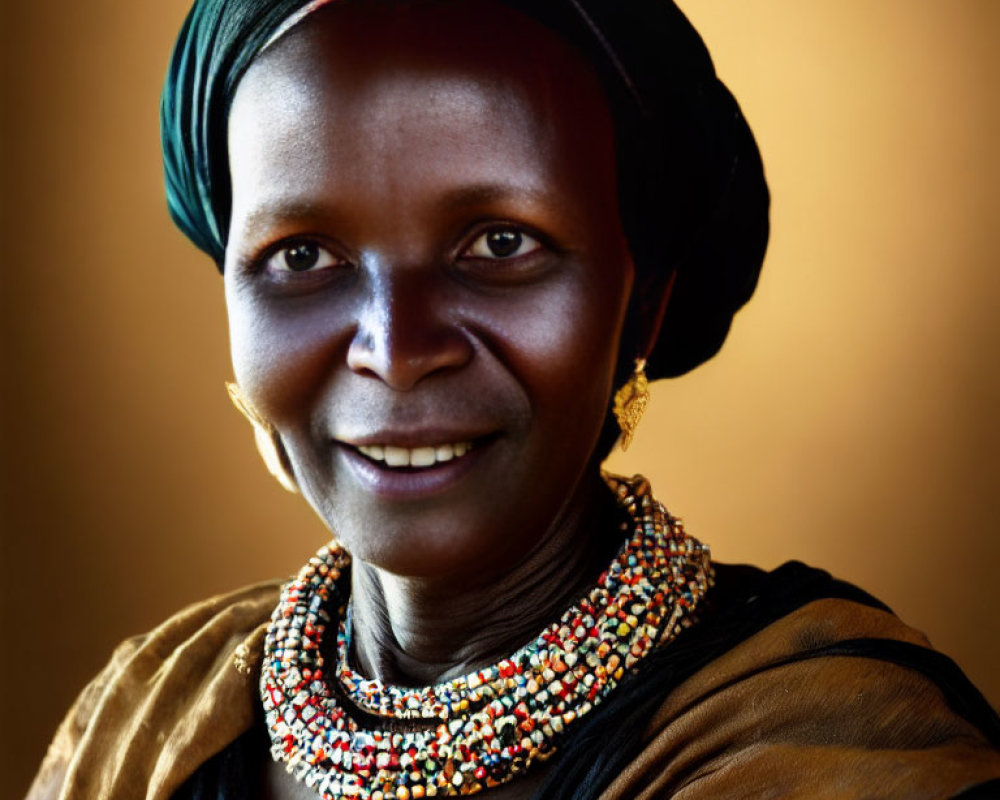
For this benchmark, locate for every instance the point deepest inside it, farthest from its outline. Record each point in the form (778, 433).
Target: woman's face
(425, 257)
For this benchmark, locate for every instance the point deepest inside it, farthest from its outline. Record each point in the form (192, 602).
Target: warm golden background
(852, 421)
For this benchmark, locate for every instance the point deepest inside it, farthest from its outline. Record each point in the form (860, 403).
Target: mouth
(411, 467)
(421, 457)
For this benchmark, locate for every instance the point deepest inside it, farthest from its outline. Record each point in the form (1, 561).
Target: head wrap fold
(692, 192)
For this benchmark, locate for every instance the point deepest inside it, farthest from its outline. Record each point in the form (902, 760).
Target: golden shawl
(754, 722)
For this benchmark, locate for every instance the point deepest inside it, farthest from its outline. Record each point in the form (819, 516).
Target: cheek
(563, 347)
(281, 351)
(244, 338)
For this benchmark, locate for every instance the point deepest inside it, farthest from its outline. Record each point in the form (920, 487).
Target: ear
(269, 444)
(275, 457)
(653, 298)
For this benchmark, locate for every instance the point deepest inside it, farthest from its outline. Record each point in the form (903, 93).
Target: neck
(416, 632)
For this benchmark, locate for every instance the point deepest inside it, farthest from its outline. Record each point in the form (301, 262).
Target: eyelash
(278, 259)
(522, 238)
(276, 262)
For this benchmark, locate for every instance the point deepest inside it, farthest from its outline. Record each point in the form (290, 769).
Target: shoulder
(811, 682)
(165, 702)
(822, 685)
(795, 684)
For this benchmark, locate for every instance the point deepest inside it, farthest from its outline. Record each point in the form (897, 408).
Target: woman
(450, 234)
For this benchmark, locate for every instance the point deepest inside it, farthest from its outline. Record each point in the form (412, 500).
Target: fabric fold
(167, 702)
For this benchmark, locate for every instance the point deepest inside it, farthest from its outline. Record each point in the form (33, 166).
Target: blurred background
(850, 422)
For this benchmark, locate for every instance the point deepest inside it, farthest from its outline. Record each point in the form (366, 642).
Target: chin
(418, 545)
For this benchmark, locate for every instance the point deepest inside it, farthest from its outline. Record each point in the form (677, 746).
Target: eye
(502, 243)
(301, 257)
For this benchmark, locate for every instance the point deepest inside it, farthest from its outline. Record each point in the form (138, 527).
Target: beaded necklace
(344, 738)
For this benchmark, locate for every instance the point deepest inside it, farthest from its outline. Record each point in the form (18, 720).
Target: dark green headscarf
(692, 192)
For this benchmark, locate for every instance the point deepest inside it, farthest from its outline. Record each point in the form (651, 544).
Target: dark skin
(425, 254)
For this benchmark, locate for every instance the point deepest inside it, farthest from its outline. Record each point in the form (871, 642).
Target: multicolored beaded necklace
(356, 737)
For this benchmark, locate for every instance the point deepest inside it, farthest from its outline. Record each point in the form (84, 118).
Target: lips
(392, 469)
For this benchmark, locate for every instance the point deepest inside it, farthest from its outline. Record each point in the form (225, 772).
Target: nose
(405, 332)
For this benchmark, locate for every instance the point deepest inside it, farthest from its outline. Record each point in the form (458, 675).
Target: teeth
(422, 457)
(397, 456)
(417, 456)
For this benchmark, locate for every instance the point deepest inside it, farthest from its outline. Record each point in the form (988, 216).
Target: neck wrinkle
(411, 632)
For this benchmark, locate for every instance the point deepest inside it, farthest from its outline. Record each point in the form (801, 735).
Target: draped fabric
(692, 193)
(791, 685)
(166, 702)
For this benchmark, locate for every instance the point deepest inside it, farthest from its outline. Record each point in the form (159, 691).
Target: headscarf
(692, 193)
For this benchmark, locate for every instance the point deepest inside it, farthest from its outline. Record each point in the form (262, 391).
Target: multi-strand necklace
(348, 736)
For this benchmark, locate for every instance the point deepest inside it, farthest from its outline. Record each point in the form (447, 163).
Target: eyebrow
(479, 194)
(457, 198)
(284, 210)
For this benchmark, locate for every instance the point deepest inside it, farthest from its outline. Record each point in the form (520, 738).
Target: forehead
(347, 45)
(359, 88)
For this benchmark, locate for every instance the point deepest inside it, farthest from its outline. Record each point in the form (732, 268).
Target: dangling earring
(630, 401)
(265, 437)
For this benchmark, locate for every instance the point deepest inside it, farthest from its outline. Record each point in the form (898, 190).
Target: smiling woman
(454, 236)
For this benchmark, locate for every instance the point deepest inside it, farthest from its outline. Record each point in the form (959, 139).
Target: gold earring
(265, 437)
(630, 401)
